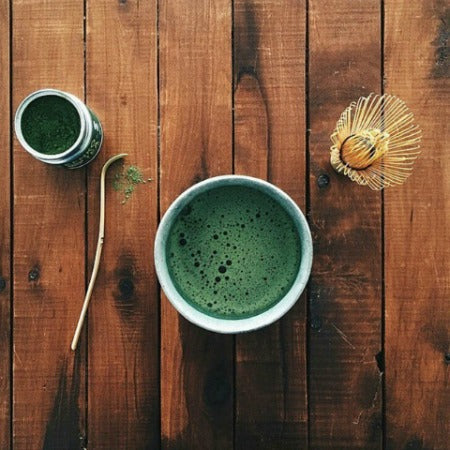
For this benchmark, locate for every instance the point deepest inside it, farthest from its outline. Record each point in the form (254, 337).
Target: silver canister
(84, 149)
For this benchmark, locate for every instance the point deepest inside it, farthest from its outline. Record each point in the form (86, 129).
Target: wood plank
(124, 317)
(195, 87)
(417, 224)
(269, 137)
(345, 296)
(49, 249)
(5, 228)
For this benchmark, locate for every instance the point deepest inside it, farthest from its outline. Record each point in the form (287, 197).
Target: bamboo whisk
(376, 141)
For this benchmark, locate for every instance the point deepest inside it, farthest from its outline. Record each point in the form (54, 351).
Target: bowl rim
(221, 325)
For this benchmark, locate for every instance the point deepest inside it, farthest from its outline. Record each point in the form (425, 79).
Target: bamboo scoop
(98, 252)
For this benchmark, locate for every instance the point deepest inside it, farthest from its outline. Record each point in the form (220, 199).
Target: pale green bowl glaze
(233, 325)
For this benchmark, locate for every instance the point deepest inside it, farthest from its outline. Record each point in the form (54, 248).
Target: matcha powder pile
(126, 180)
(50, 124)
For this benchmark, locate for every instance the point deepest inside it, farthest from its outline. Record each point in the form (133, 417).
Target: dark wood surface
(195, 143)
(417, 253)
(191, 90)
(5, 230)
(49, 213)
(123, 328)
(269, 143)
(345, 297)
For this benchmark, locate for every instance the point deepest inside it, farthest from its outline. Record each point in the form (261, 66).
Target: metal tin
(88, 143)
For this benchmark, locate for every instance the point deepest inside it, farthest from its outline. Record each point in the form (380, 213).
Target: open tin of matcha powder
(58, 128)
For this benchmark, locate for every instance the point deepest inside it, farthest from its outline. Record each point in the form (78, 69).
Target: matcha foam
(233, 252)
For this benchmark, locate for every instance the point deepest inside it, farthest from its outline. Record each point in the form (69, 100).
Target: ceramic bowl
(260, 320)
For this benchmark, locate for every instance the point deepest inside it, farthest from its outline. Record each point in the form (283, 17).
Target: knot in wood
(316, 323)
(323, 180)
(126, 288)
(33, 274)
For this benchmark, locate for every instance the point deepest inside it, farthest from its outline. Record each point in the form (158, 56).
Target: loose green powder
(126, 180)
(50, 124)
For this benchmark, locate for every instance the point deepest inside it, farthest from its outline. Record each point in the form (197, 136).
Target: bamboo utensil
(376, 141)
(98, 252)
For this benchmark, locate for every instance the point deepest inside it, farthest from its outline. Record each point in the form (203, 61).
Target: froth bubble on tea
(233, 252)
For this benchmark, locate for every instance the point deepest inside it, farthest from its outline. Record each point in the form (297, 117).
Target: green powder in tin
(126, 180)
(50, 124)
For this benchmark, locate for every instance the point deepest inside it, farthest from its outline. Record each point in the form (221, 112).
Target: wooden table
(193, 89)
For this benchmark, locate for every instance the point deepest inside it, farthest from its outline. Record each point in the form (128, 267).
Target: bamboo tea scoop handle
(98, 252)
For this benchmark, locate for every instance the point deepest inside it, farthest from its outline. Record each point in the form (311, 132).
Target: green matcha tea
(50, 124)
(233, 252)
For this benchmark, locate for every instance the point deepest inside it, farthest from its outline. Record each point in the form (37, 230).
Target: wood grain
(49, 249)
(417, 232)
(269, 139)
(195, 89)
(124, 314)
(345, 297)
(5, 228)
(189, 397)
